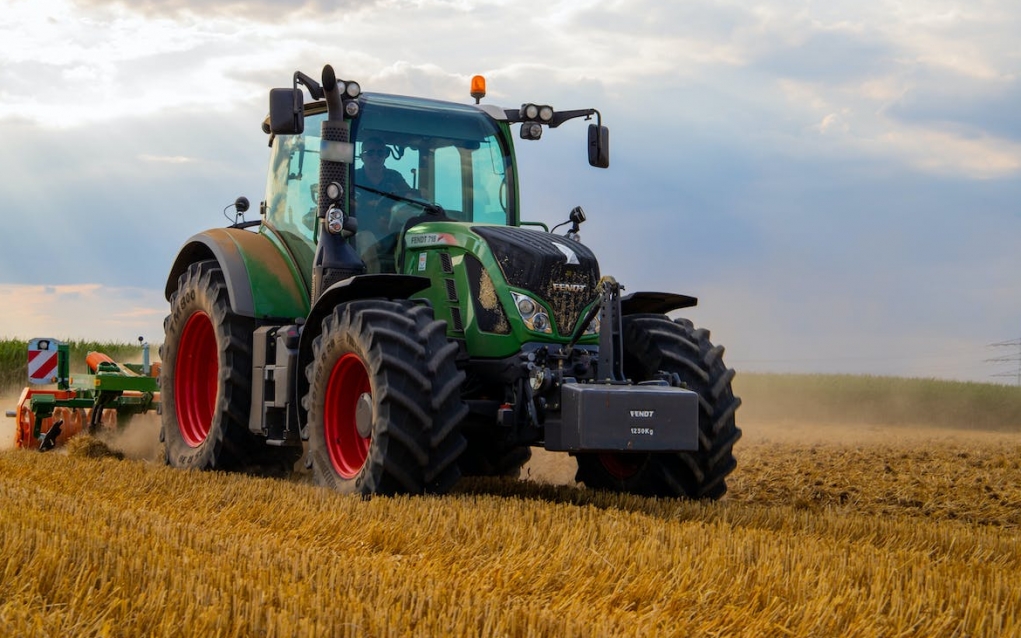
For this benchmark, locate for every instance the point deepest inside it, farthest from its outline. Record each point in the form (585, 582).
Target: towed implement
(107, 396)
(392, 321)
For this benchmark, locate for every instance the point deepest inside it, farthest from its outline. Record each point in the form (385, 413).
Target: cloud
(965, 103)
(165, 159)
(949, 152)
(263, 10)
(867, 122)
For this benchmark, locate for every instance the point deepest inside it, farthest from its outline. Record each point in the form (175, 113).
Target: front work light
(536, 113)
(335, 220)
(531, 130)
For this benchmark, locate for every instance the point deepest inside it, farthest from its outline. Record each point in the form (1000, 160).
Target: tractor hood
(557, 270)
(501, 286)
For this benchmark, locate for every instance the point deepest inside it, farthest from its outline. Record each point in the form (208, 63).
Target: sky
(839, 183)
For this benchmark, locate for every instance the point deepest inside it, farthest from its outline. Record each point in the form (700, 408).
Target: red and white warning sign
(42, 360)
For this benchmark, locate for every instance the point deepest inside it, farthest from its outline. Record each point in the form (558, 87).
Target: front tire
(654, 344)
(205, 378)
(384, 403)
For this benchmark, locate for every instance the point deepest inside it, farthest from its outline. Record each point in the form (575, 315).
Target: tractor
(398, 334)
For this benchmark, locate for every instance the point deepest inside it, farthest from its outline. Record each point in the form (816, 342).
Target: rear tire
(652, 344)
(206, 376)
(384, 403)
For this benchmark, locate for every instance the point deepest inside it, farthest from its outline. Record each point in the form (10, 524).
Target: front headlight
(532, 314)
(335, 220)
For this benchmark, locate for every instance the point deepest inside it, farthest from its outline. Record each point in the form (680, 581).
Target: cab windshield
(445, 154)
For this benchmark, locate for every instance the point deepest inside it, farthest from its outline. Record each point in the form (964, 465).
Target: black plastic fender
(654, 302)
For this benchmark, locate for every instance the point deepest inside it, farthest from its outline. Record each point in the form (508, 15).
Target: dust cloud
(554, 468)
(873, 411)
(860, 434)
(8, 427)
(138, 439)
(7, 430)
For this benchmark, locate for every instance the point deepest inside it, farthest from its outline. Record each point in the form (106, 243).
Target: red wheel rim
(622, 466)
(348, 449)
(196, 379)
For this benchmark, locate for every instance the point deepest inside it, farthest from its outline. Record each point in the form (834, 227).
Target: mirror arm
(559, 117)
(314, 89)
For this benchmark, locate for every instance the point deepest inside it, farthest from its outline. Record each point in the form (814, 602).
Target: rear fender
(261, 281)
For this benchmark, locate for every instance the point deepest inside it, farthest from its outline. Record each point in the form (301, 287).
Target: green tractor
(392, 320)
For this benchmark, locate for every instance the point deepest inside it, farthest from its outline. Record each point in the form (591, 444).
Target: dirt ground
(558, 468)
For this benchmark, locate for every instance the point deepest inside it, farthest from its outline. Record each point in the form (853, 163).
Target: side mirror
(598, 146)
(286, 112)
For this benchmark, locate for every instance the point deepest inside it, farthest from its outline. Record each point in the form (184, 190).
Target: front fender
(261, 279)
(654, 302)
(383, 286)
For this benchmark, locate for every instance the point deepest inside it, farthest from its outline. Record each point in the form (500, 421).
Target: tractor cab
(410, 156)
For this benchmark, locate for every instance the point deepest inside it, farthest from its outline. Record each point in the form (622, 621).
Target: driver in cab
(374, 174)
(373, 208)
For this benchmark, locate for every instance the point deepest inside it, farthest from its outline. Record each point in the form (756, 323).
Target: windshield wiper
(430, 208)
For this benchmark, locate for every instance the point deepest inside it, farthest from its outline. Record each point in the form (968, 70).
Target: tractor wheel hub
(363, 415)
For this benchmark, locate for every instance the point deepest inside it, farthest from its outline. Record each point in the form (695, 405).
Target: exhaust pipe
(335, 258)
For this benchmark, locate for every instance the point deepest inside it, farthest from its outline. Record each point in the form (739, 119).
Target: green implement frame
(124, 388)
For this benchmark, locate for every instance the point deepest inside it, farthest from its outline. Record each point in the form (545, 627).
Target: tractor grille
(455, 320)
(562, 272)
(451, 290)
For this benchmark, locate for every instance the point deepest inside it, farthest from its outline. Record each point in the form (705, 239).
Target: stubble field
(830, 528)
